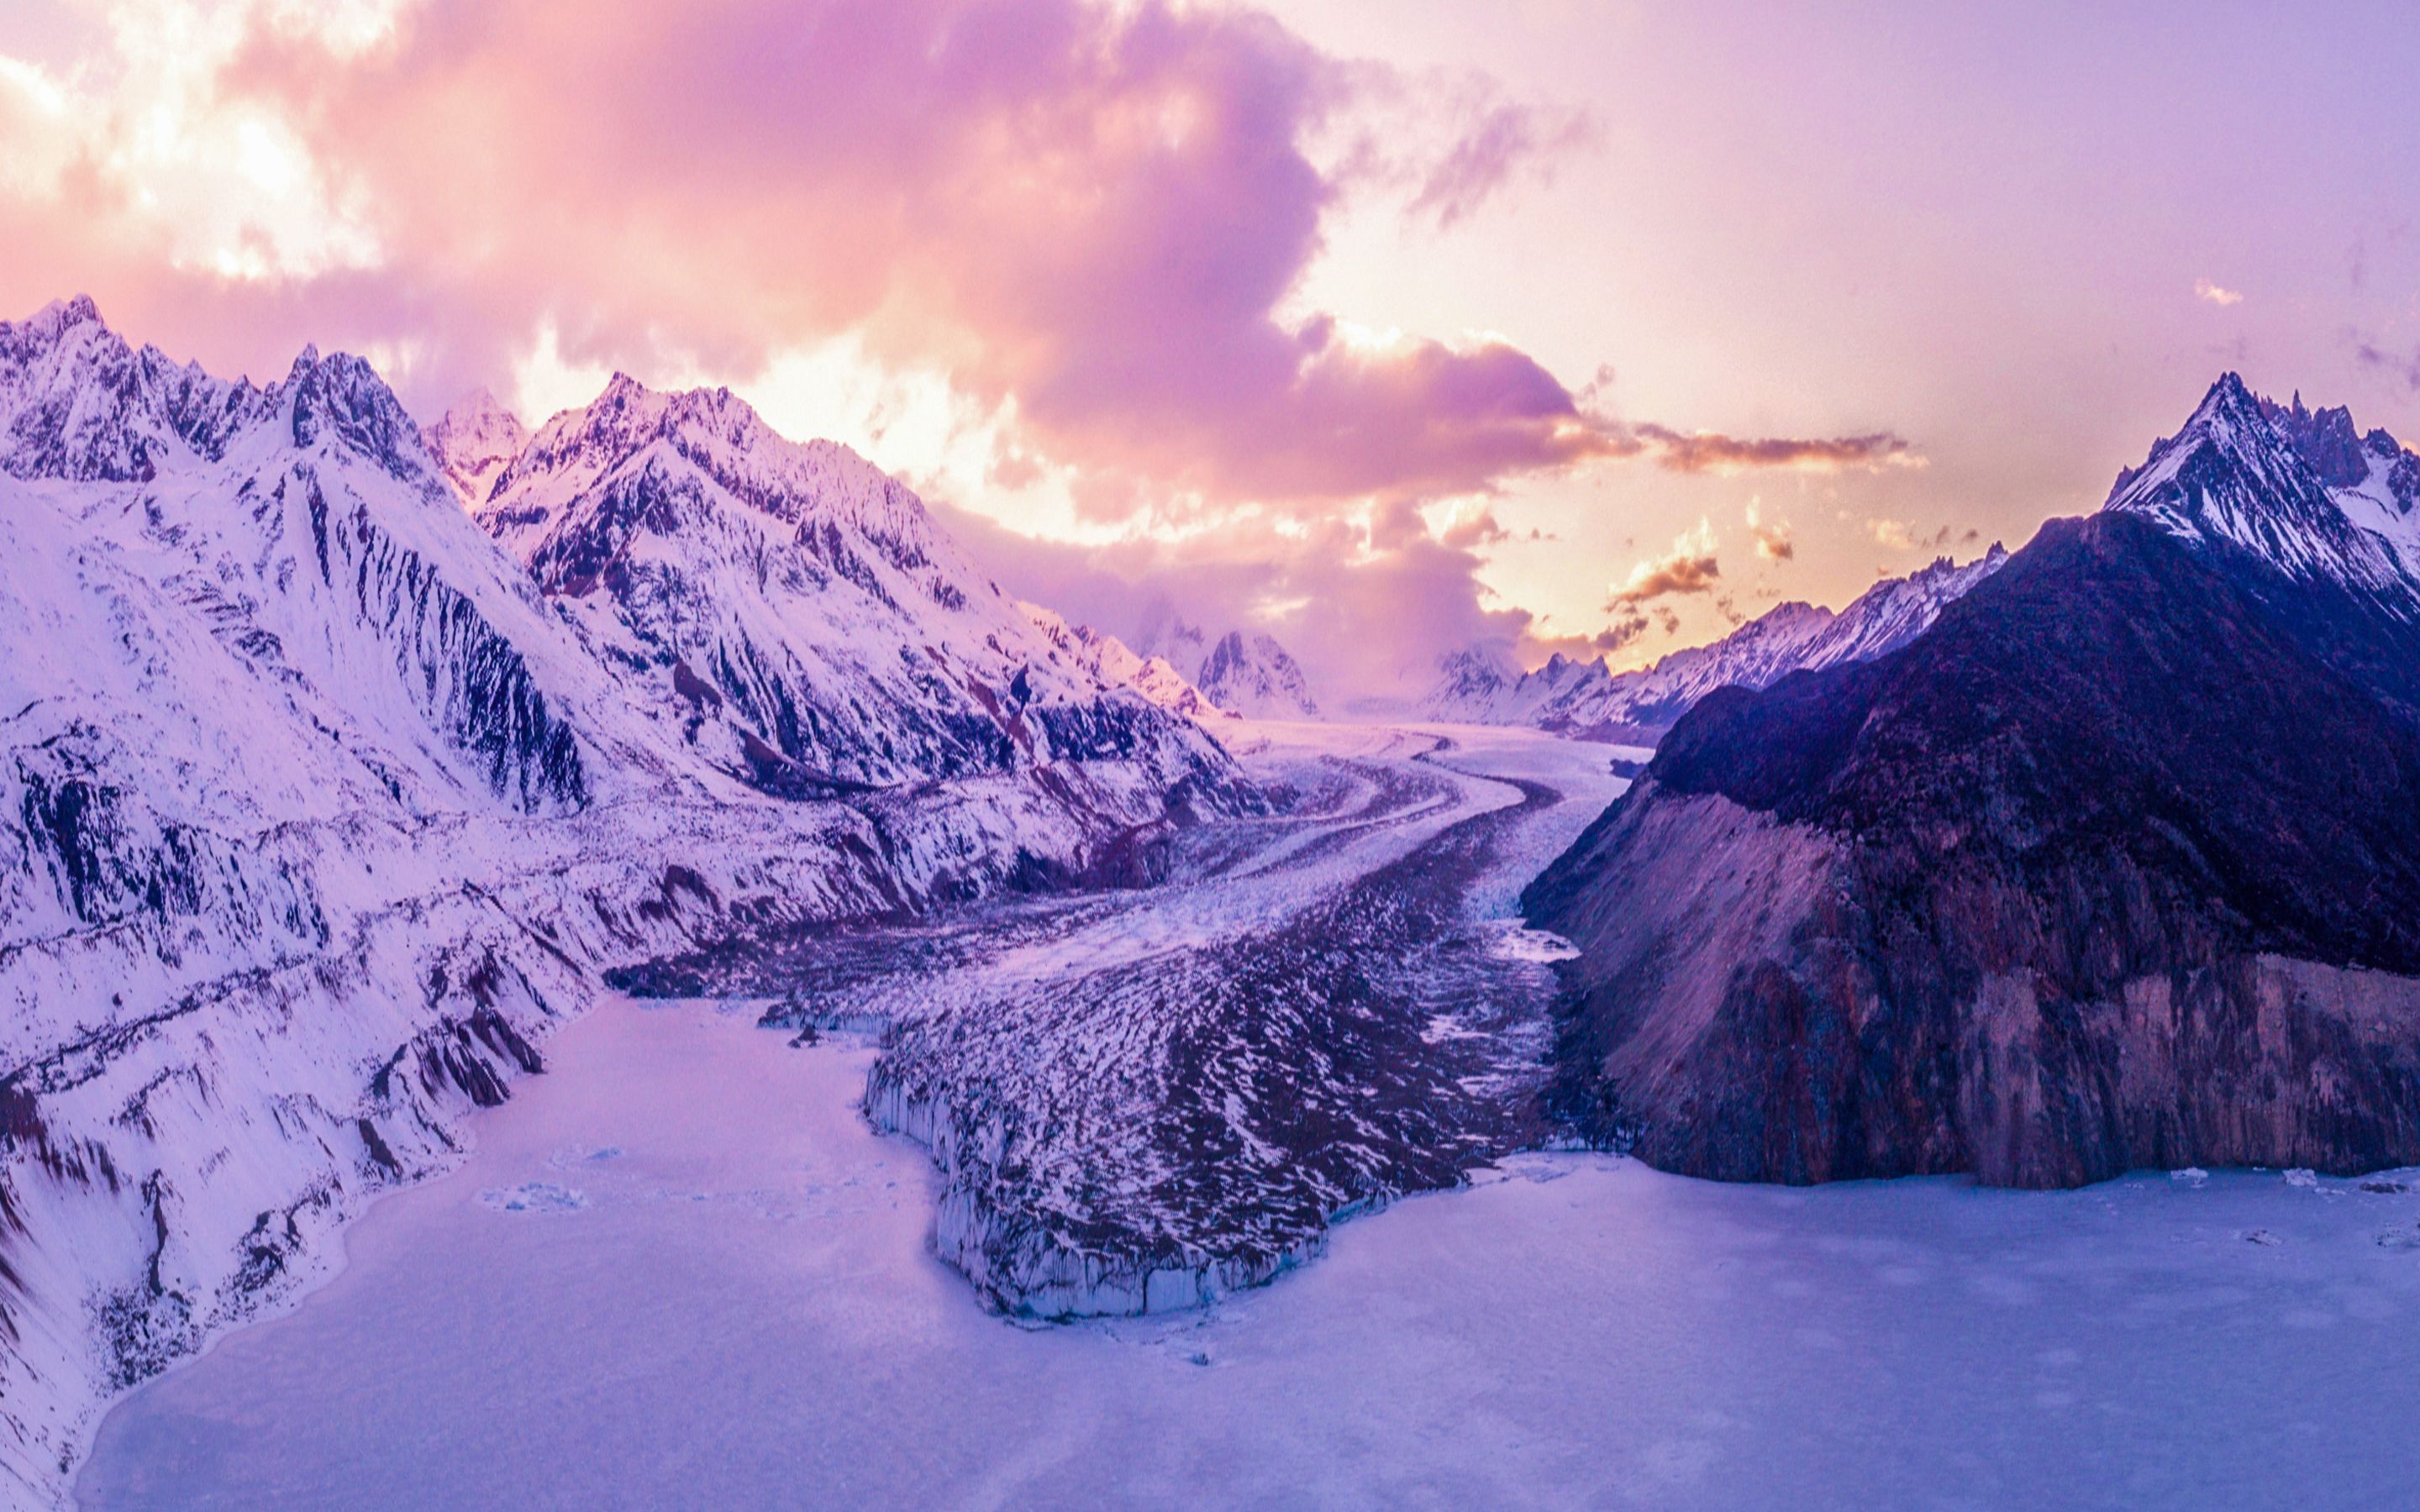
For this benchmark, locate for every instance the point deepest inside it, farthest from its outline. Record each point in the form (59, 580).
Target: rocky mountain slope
(318, 809)
(1109, 659)
(1586, 698)
(2115, 866)
(794, 611)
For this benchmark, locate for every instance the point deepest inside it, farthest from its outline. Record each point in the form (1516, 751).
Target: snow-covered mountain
(1242, 672)
(79, 405)
(2299, 491)
(317, 808)
(1111, 660)
(1252, 676)
(1481, 686)
(475, 442)
(794, 610)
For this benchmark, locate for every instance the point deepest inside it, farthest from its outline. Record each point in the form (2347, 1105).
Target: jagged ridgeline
(1587, 699)
(320, 806)
(2117, 865)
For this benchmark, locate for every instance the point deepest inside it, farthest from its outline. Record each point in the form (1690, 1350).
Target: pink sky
(1387, 326)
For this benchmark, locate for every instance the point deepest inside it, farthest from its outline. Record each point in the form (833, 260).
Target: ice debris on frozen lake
(535, 1196)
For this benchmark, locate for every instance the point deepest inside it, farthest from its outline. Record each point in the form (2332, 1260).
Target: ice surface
(745, 1315)
(1144, 1100)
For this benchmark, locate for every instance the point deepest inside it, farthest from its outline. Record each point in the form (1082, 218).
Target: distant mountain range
(1247, 673)
(2116, 865)
(340, 758)
(1482, 685)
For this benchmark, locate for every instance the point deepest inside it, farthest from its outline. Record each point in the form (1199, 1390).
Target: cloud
(1089, 215)
(1092, 217)
(1628, 624)
(2402, 367)
(2212, 294)
(1082, 229)
(1708, 452)
(1898, 535)
(1895, 534)
(1506, 139)
(1773, 542)
(1690, 568)
(1469, 529)
(1367, 606)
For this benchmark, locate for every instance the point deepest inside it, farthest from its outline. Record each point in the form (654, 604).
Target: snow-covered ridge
(78, 403)
(1115, 663)
(1482, 685)
(794, 613)
(475, 442)
(2296, 490)
(318, 809)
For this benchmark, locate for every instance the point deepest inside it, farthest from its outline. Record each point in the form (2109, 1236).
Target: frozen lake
(679, 1270)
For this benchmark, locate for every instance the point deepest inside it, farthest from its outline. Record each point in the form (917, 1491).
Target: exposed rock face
(2117, 866)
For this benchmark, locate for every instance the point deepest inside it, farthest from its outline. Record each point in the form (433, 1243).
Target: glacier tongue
(1142, 1102)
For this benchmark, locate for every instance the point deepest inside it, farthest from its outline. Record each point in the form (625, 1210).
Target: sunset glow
(1408, 317)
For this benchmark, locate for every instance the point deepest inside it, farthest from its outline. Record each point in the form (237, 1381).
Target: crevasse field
(681, 1271)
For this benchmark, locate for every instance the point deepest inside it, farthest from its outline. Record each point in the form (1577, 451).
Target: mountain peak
(60, 317)
(2266, 481)
(476, 408)
(77, 402)
(341, 397)
(2231, 398)
(2323, 438)
(474, 441)
(1255, 676)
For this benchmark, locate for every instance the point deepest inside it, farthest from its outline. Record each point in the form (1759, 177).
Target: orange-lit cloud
(1690, 568)
(1773, 542)
(1898, 535)
(1090, 224)
(1706, 452)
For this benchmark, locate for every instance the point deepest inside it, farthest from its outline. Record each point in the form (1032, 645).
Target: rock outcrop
(2117, 866)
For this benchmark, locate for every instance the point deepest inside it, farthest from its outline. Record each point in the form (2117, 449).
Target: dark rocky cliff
(2118, 867)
